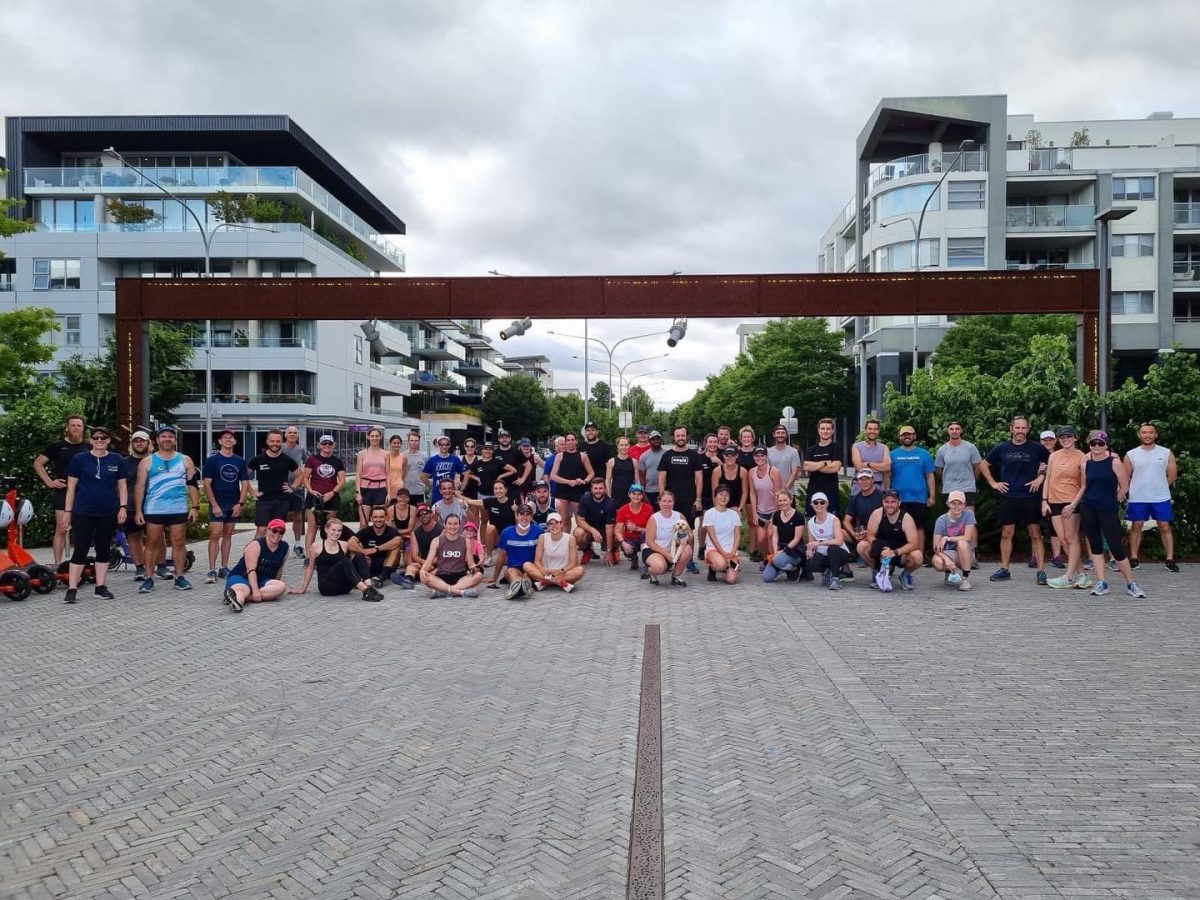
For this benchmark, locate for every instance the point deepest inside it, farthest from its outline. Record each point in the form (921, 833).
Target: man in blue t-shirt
(226, 483)
(595, 521)
(443, 464)
(518, 545)
(1016, 469)
(912, 479)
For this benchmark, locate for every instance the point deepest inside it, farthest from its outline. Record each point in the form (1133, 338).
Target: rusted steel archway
(141, 301)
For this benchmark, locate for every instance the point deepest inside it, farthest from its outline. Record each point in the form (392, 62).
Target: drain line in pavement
(647, 868)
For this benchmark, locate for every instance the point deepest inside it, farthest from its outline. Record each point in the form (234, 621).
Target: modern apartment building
(1024, 195)
(326, 376)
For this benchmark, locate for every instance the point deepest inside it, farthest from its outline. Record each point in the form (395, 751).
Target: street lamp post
(609, 350)
(206, 235)
(1105, 218)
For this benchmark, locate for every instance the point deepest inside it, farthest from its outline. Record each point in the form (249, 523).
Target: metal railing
(1054, 159)
(1046, 266)
(923, 164)
(1186, 271)
(1187, 213)
(223, 341)
(226, 397)
(1074, 217)
(384, 413)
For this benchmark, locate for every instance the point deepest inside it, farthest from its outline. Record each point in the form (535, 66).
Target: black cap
(730, 451)
(589, 424)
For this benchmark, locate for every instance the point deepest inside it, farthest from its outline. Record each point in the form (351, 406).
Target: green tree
(992, 343)
(566, 414)
(24, 347)
(94, 379)
(10, 221)
(518, 402)
(602, 395)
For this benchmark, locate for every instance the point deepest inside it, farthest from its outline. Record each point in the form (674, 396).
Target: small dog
(679, 540)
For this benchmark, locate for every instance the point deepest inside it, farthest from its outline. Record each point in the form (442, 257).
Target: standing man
(97, 502)
(648, 466)
(869, 453)
(597, 450)
(1152, 471)
(442, 464)
(226, 481)
(510, 454)
(415, 459)
(139, 449)
(324, 476)
(59, 455)
(784, 457)
(957, 464)
(642, 444)
(823, 462)
(724, 438)
(296, 500)
(681, 472)
(276, 475)
(912, 479)
(1016, 469)
(166, 499)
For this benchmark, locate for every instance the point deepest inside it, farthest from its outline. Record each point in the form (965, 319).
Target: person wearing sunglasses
(1105, 484)
(826, 545)
(258, 575)
(97, 499)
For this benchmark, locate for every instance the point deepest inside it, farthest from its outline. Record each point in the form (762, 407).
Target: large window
(56, 274)
(966, 194)
(66, 215)
(358, 349)
(174, 268)
(285, 268)
(903, 200)
(1133, 303)
(1133, 188)
(1133, 245)
(966, 252)
(69, 331)
(898, 257)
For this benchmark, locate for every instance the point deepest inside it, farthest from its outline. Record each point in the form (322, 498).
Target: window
(1133, 188)
(966, 252)
(902, 200)
(898, 257)
(69, 331)
(8, 274)
(965, 195)
(1133, 303)
(358, 397)
(1133, 245)
(66, 215)
(358, 349)
(56, 274)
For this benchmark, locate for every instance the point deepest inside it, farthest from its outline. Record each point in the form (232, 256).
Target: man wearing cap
(858, 513)
(596, 521)
(957, 463)
(648, 467)
(1063, 478)
(165, 500)
(510, 455)
(597, 450)
(442, 464)
(324, 476)
(518, 546)
(872, 454)
(428, 527)
(823, 463)
(630, 529)
(226, 482)
(277, 476)
(642, 443)
(892, 542)
(955, 534)
(380, 543)
(912, 479)
(484, 472)
(414, 467)
(139, 449)
(1016, 469)
(1152, 470)
(296, 504)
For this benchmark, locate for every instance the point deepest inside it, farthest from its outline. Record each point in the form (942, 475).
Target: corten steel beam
(603, 297)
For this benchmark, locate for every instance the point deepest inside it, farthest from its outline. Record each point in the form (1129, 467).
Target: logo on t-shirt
(325, 470)
(229, 473)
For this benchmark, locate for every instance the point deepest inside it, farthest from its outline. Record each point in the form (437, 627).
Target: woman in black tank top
(733, 476)
(622, 472)
(338, 573)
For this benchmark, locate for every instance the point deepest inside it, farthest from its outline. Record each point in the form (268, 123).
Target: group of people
(500, 516)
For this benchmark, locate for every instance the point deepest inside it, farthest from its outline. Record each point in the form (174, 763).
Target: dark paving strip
(646, 858)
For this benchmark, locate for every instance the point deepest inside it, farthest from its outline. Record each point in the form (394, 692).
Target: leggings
(1102, 525)
(835, 560)
(783, 561)
(91, 531)
(343, 577)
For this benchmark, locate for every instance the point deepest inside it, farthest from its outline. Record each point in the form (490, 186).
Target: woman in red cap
(258, 575)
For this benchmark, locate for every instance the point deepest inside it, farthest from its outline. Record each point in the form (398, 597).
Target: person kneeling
(556, 559)
(451, 569)
(338, 571)
(723, 528)
(954, 542)
(258, 575)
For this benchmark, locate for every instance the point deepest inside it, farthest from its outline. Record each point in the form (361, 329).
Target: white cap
(1048, 434)
(554, 517)
(139, 434)
(818, 496)
(326, 438)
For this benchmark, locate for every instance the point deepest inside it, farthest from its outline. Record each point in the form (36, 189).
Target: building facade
(1023, 195)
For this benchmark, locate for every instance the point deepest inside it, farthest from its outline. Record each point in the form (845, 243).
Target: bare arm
(39, 466)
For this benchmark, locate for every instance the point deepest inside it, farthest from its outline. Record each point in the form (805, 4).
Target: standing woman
(572, 470)
(1063, 475)
(746, 443)
(1104, 485)
(258, 575)
(620, 472)
(371, 476)
(765, 485)
(469, 457)
(397, 467)
(97, 500)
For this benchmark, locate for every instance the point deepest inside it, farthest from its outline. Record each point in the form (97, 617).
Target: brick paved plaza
(1010, 742)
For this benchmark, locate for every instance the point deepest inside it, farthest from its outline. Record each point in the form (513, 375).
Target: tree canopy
(519, 403)
(989, 343)
(24, 347)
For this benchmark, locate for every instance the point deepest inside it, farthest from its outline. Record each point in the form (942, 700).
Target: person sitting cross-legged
(451, 569)
(556, 559)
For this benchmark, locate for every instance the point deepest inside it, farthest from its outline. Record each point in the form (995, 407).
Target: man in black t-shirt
(380, 543)
(428, 527)
(509, 454)
(598, 452)
(276, 475)
(596, 519)
(679, 471)
(59, 455)
(823, 462)
(858, 512)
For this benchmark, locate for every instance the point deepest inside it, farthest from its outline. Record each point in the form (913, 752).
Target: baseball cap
(865, 473)
(1097, 435)
(541, 482)
(99, 429)
(502, 433)
(1047, 434)
(890, 493)
(276, 523)
(819, 495)
(163, 429)
(326, 439)
(554, 517)
(956, 495)
(721, 488)
(907, 429)
(225, 431)
(589, 424)
(487, 445)
(654, 434)
(1067, 431)
(730, 451)
(642, 428)
(423, 508)
(524, 442)
(145, 436)
(405, 491)
(636, 487)
(759, 449)
(525, 509)
(471, 526)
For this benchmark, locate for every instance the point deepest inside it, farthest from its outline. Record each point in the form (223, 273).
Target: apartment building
(1022, 195)
(137, 210)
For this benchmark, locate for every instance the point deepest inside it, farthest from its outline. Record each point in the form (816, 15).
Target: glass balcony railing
(1056, 159)
(195, 181)
(385, 413)
(1074, 217)
(1186, 270)
(227, 397)
(1187, 213)
(923, 164)
(222, 341)
(1014, 266)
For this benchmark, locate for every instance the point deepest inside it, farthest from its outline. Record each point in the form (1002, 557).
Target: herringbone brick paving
(815, 745)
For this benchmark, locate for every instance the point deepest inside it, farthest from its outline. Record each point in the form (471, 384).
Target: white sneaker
(883, 578)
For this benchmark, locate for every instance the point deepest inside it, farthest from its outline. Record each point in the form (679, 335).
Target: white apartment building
(1023, 196)
(326, 376)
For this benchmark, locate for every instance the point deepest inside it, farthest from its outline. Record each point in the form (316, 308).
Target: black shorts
(1018, 510)
(647, 553)
(226, 516)
(1056, 509)
(167, 520)
(452, 578)
(373, 496)
(270, 509)
(315, 501)
(58, 497)
(131, 526)
(919, 512)
(296, 500)
(970, 495)
(571, 492)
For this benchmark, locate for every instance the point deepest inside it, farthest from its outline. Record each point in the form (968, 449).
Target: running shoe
(954, 577)
(966, 585)
(298, 552)
(1084, 582)
(377, 582)
(1033, 562)
(1133, 562)
(1041, 578)
(235, 604)
(1172, 566)
(139, 573)
(540, 585)
(493, 585)
(846, 574)
(211, 577)
(835, 584)
(652, 578)
(712, 574)
(228, 596)
(646, 574)
(437, 595)
(1112, 566)
(163, 572)
(223, 572)
(793, 575)
(1100, 589)
(1058, 562)
(825, 577)
(182, 584)
(470, 593)
(515, 589)
(567, 587)
(586, 557)
(1062, 581)
(1000, 574)
(102, 592)
(633, 564)
(371, 595)
(907, 583)
(71, 596)
(677, 581)
(1134, 591)
(692, 567)
(1088, 565)
(146, 586)
(884, 580)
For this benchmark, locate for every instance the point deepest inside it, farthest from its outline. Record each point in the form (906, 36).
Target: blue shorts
(236, 579)
(1162, 511)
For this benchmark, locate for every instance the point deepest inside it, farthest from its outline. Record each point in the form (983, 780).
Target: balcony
(223, 341)
(438, 379)
(1046, 266)
(442, 350)
(1055, 159)
(383, 412)
(1187, 215)
(479, 365)
(390, 379)
(1054, 217)
(1186, 274)
(222, 397)
(922, 164)
(199, 182)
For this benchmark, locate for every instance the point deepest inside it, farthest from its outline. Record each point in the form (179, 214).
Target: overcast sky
(614, 137)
